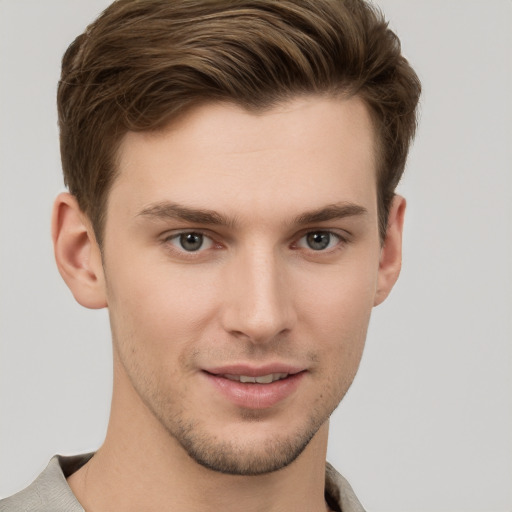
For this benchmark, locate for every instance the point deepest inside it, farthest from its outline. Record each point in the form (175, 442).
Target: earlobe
(77, 254)
(391, 253)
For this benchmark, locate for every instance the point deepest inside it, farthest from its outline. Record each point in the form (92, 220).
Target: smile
(252, 387)
(263, 379)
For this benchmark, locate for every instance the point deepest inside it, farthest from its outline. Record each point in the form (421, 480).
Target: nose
(258, 305)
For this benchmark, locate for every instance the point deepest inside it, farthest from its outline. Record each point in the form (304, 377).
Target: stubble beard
(224, 453)
(249, 459)
(245, 457)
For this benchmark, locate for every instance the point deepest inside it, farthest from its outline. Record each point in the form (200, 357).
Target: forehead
(308, 150)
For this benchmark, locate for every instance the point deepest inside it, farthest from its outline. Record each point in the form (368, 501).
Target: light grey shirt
(50, 491)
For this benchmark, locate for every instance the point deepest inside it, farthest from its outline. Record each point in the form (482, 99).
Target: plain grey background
(427, 424)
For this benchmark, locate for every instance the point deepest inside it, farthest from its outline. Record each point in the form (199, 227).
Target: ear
(77, 253)
(390, 261)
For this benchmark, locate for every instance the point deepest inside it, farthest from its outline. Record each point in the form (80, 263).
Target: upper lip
(254, 371)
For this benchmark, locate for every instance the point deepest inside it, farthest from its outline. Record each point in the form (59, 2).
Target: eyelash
(340, 242)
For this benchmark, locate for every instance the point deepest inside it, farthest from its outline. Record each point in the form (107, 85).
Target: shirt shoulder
(338, 492)
(49, 492)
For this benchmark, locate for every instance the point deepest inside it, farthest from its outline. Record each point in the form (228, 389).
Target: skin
(261, 290)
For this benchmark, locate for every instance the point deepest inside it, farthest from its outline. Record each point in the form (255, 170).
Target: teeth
(263, 379)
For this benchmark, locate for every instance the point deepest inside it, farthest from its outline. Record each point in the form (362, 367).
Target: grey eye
(318, 240)
(191, 241)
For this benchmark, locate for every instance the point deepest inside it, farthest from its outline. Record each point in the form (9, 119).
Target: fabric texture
(50, 491)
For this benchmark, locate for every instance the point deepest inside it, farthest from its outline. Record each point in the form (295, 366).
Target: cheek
(341, 296)
(158, 306)
(337, 310)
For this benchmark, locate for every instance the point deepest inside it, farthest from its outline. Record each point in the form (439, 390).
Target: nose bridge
(258, 304)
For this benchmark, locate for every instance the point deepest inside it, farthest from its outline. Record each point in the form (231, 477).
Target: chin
(249, 448)
(245, 459)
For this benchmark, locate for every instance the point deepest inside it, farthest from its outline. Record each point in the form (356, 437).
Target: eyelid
(174, 233)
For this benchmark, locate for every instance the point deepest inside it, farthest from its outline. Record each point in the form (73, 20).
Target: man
(231, 168)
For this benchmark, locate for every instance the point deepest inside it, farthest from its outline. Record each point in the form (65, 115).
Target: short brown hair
(142, 62)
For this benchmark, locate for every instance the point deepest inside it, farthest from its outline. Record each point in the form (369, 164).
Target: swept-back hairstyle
(143, 62)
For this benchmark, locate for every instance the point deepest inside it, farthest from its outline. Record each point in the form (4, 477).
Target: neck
(141, 467)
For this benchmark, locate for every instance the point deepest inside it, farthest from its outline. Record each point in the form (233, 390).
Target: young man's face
(237, 247)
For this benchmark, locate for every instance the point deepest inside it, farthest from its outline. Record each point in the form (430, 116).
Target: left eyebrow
(331, 212)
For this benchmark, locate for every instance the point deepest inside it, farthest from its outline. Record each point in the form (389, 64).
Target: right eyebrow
(168, 210)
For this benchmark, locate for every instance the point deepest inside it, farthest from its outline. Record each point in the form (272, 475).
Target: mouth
(256, 388)
(249, 374)
(260, 379)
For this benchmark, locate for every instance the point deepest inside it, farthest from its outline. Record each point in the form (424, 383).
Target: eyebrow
(331, 212)
(175, 211)
(168, 210)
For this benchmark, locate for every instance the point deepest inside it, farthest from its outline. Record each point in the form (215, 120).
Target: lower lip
(254, 395)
